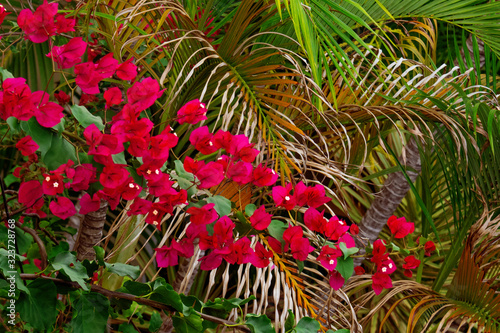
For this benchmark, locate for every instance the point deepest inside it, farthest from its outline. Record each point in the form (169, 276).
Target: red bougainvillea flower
(240, 172)
(290, 234)
(336, 280)
(358, 270)
(70, 54)
(17, 99)
(241, 252)
(30, 192)
(311, 196)
(88, 204)
(64, 24)
(387, 266)
(38, 26)
(52, 184)
(410, 263)
(300, 248)
(161, 144)
(201, 139)
(354, 229)
(87, 99)
(204, 215)
(87, 78)
(62, 207)
(379, 254)
(127, 71)
(328, 257)
(192, 112)
(193, 166)
(315, 220)
(275, 244)
(223, 232)
(114, 175)
(106, 66)
(3, 13)
(429, 247)
(85, 174)
(260, 258)
(263, 176)
(283, 198)
(399, 227)
(156, 213)
(48, 114)
(335, 228)
(35, 209)
(210, 175)
(143, 94)
(113, 96)
(62, 98)
(167, 256)
(139, 206)
(129, 189)
(381, 281)
(247, 153)
(260, 220)
(27, 146)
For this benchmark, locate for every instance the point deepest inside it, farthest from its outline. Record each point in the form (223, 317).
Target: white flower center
(210, 143)
(47, 178)
(157, 171)
(384, 269)
(287, 198)
(155, 222)
(331, 261)
(56, 184)
(131, 185)
(341, 223)
(390, 265)
(148, 172)
(202, 105)
(155, 212)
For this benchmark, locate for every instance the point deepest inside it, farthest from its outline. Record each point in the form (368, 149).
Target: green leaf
(127, 328)
(6, 74)
(137, 288)
(222, 205)
(181, 172)
(85, 118)
(59, 153)
(90, 313)
(188, 324)
(124, 270)
(290, 321)
(307, 325)
(300, 265)
(345, 266)
(276, 229)
(343, 330)
(119, 158)
(259, 323)
(249, 209)
(155, 322)
(10, 179)
(60, 127)
(38, 307)
(99, 255)
(14, 124)
(41, 135)
(347, 251)
(167, 295)
(66, 262)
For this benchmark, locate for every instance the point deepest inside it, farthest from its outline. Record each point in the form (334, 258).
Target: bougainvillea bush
(91, 150)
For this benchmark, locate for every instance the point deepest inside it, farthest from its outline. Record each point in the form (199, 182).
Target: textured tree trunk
(90, 232)
(168, 326)
(394, 190)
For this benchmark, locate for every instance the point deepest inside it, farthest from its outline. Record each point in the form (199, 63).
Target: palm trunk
(90, 233)
(385, 204)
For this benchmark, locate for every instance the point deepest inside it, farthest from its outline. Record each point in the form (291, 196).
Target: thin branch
(41, 246)
(130, 297)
